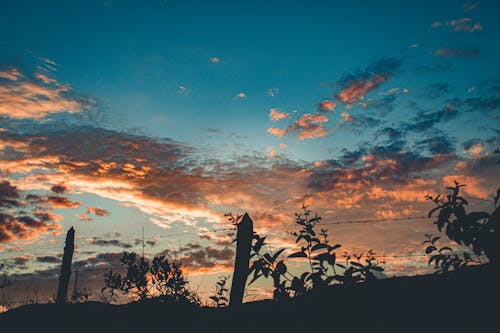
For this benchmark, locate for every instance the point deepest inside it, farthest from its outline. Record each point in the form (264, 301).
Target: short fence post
(62, 289)
(241, 265)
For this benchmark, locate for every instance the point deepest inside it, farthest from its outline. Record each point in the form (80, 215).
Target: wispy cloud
(465, 24)
(469, 6)
(354, 87)
(97, 211)
(38, 97)
(449, 52)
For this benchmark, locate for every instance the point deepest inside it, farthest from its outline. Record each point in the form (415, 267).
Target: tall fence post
(69, 246)
(241, 265)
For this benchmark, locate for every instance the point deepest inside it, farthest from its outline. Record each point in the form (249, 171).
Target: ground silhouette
(458, 301)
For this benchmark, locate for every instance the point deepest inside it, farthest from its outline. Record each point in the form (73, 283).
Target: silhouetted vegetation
(220, 297)
(321, 257)
(145, 279)
(475, 230)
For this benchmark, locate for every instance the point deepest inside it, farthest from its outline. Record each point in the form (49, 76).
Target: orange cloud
(29, 99)
(326, 106)
(308, 126)
(356, 90)
(346, 116)
(275, 115)
(62, 202)
(12, 74)
(97, 211)
(276, 131)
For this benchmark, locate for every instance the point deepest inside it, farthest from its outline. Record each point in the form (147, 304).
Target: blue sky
(161, 114)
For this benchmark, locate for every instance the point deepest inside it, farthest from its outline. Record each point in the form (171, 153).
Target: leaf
(319, 246)
(281, 267)
(433, 210)
(277, 254)
(298, 255)
(430, 249)
(268, 257)
(476, 216)
(330, 258)
(377, 268)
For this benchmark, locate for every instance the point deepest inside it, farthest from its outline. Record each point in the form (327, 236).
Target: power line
(208, 232)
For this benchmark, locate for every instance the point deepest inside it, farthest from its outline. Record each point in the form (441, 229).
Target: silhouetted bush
(220, 297)
(158, 278)
(476, 230)
(321, 256)
(444, 258)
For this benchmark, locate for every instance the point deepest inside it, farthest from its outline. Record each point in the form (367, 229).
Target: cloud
(176, 187)
(38, 97)
(448, 52)
(271, 152)
(465, 24)
(49, 259)
(469, 6)
(354, 87)
(425, 120)
(208, 259)
(436, 24)
(307, 126)
(276, 131)
(58, 189)
(438, 144)
(97, 211)
(11, 74)
(326, 106)
(98, 241)
(62, 202)
(276, 115)
(356, 90)
(84, 217)
(391, 132)
(22, 219)
(346, 116)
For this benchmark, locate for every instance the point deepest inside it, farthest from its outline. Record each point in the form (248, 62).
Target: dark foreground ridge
(464, 301)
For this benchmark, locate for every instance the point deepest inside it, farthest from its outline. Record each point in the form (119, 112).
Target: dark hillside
(465, 301)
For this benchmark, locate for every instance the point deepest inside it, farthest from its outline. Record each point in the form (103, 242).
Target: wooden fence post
(241, 265)
(69, 246)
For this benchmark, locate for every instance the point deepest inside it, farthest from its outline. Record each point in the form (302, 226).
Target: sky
(124, 118)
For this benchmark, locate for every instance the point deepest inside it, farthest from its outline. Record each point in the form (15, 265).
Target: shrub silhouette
(476, 230)
(444, 258)
(220, 297)
(146, 279)
(321, 256)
